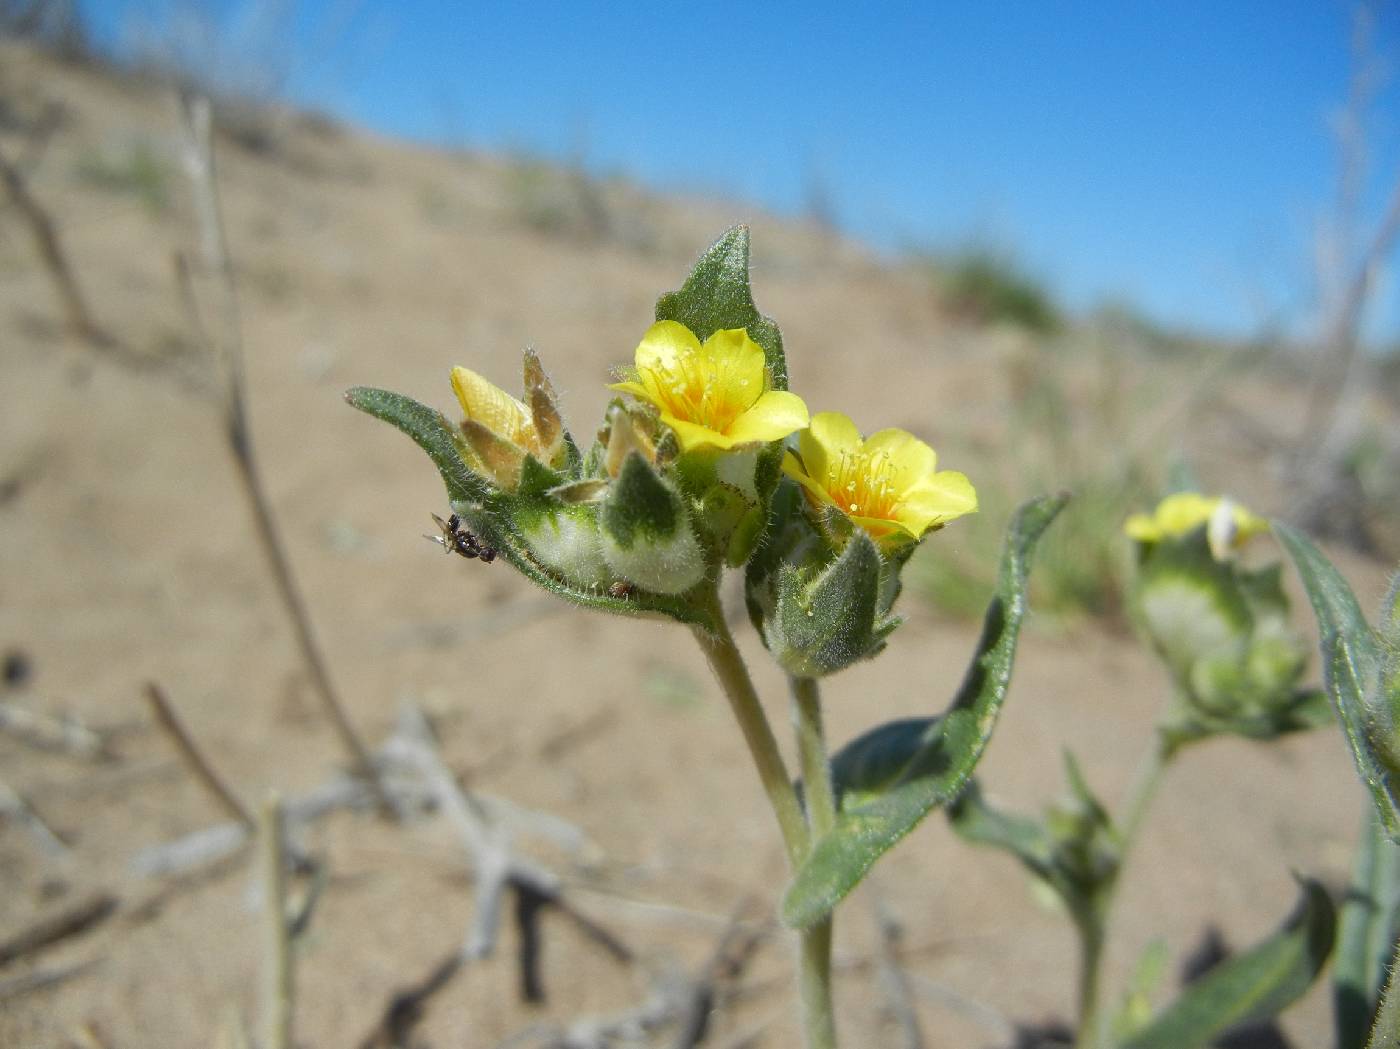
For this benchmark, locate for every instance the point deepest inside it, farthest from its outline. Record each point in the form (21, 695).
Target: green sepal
(747, 535)
(479, 505)
(1252, 986)
(1351, 673)
(716, 297)
(1368, 929)
(825, 623)
(432, 432)
(640, 507)
(927, 763)
(537, 479)
(720, 510)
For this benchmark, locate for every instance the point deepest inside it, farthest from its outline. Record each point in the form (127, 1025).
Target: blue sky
(1176, 155)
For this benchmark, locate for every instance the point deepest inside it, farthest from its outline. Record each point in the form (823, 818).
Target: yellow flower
(1228, 525)
(887, 484)
(500, 430)
(715, 395)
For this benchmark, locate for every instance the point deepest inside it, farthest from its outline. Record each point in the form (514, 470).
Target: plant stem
(1092, 927)
(811, 748)
(814, 979)
(733, 676)
(1090, 959)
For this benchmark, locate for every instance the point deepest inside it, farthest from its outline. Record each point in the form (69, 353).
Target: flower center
(702, 389)
(863, 484)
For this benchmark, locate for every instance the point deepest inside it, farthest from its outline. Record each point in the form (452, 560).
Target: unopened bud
(646, 531)
(825, 623)
(567, 542)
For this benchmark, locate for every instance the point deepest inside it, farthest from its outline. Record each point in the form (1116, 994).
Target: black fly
(458, 540)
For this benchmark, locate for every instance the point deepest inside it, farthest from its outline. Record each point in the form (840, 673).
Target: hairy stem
(733, 676)
(814, 978)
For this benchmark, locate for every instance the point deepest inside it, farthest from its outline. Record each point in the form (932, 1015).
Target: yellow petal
(1180, 513)
(636, 389)
(488, 404)
(792, 466)
(911, 458)
(738, 363)
(936, 500)
(693, 435)
(883, 528)
(772, 417)
(1142, 528)
(664, 345)
(827, 436)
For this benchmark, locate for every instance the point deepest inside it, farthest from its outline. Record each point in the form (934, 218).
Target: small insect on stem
(456, 539)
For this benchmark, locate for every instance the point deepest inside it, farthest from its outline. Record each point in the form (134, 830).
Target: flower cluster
(1222, 629)
(704, 461)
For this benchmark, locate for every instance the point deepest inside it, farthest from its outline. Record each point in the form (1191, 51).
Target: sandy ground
(130, 556)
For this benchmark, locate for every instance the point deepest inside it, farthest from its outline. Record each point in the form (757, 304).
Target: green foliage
(891, 778)
(990, 288)
(1352, 665)
(1252, 986)
(716, 297)
(136, 170)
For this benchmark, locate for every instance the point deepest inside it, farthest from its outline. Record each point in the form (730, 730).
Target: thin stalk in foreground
(1092, 930)
(814, 973)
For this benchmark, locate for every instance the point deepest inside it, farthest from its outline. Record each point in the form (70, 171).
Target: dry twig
(39, 979)
(226, 349)
(17, 806)
(65, 735)
(891, 973)
(75, 310)
(194, 758)
(71, 921)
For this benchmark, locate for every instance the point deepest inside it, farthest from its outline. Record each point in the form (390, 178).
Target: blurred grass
(1071, 407)
(983, 286)
(133, 168)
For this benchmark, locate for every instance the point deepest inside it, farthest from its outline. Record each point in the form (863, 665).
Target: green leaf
(1351, 669)
(1253, 986)
(1370, 923)
(716, 297)
(431, 431)
(976, 821)
(926, 763)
